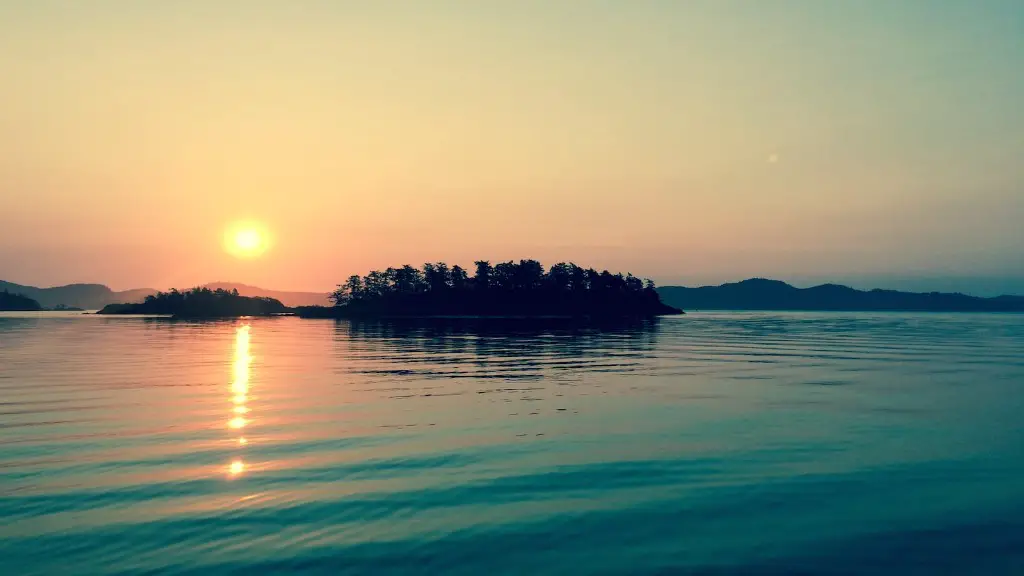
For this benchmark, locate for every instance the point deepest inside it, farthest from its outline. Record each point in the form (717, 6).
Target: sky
(693, 142)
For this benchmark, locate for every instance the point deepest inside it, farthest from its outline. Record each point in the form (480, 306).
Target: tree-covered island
(521, 288)
(200, 303)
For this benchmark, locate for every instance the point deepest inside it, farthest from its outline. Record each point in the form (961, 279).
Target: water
(711, 443)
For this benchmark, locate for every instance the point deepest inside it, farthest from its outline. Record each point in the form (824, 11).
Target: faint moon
(773, 158)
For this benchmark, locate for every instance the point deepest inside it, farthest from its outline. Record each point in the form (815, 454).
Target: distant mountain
(762, 294)
(86, 296)
(753, 294)
(290, 299)
(96, 296)
(10, 301)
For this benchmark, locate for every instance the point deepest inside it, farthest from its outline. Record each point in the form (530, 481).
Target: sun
(246, 240)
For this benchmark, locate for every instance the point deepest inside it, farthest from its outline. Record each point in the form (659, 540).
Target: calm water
(711, 443)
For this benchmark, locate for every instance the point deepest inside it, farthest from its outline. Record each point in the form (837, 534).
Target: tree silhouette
(200, 303)
(560, 277)
(508, 288)
(459, 279)
(484, 274)
(504, 275)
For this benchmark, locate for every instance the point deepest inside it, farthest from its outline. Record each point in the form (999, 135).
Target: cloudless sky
(688, 141)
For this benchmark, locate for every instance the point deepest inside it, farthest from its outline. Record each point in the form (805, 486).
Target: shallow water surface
(711, 443)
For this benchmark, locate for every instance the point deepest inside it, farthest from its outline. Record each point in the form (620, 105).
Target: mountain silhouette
(16, 302)
(96, 296)
(765, 294)
(86, 296)
(752, 294)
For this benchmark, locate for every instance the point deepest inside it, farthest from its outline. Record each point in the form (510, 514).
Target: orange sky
(693, 142)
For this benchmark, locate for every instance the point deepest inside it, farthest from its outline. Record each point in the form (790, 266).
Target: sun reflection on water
(240, 392)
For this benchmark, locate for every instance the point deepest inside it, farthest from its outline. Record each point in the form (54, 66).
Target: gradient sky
(688, 141)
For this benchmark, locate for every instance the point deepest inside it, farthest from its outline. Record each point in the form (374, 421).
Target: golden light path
(240, 392)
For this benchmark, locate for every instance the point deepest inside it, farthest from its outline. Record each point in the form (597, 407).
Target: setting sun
(246, 240)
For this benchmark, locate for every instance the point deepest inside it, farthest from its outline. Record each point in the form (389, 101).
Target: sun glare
(246, 240)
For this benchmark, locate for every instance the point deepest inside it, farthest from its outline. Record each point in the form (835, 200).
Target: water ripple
(713, 443)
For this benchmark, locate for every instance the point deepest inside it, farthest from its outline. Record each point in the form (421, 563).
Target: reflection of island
(494, 349)
(200, 303)
(507, 289)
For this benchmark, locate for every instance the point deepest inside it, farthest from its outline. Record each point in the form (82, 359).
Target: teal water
(773, 443)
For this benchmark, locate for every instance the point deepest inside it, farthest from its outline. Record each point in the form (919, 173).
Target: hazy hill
(10, 301)
(753, 294)
(762, 294)
(290, 299)
(96, 296)
(87, 296)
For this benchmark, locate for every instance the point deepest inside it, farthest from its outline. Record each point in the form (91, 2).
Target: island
(200, 303)
(10, 302)
(65, 308)
(521, 289)
(507, 289)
